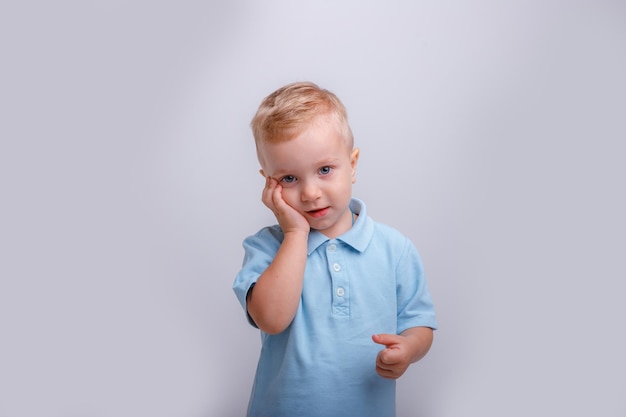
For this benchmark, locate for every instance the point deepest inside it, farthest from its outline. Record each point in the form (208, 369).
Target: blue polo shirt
(370, 280)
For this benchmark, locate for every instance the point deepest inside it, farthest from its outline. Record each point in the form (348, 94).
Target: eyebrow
(328, 161)
(321, 163)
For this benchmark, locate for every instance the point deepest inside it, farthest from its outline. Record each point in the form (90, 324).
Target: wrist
(420, 340)
(296, 234)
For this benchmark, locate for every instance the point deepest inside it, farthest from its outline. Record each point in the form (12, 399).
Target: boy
(327, 286)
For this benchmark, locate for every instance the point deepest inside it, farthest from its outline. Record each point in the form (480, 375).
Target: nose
(310, 191)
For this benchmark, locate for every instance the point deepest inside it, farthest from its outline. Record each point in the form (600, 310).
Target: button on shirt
(367, 281)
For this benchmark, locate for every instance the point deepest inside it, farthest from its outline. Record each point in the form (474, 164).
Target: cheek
(340, 190)
(347, 192)
(346, 183)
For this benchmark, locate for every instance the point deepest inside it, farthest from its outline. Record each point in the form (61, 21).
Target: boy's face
(316, 170)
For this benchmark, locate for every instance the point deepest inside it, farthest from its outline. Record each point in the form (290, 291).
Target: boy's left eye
(325, 170)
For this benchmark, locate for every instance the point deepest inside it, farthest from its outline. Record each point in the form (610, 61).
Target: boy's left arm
(402, 350)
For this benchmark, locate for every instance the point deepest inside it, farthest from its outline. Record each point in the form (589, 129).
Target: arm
(274, 300)
(402, 350)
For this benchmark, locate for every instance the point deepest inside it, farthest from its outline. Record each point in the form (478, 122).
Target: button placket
(339, 279)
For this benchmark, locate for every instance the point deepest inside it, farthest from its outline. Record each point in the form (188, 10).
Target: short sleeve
(415, 306)
(259, 251)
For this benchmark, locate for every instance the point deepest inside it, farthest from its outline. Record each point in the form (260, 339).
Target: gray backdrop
(491, 133)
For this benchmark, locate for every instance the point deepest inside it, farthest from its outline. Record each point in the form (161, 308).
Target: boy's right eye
(288, 179)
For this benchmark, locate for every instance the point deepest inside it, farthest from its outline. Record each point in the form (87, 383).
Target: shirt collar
(359, 235)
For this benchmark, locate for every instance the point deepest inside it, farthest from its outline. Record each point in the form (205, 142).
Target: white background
(491, 133)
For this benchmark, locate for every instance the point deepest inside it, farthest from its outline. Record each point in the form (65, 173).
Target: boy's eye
(288, 178)
(325, 170)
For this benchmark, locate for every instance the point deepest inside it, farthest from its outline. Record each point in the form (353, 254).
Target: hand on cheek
(289, 219)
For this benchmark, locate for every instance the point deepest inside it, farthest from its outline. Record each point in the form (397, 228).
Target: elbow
(269, 322)
(273, 330)
(272, 326)
(269, 317)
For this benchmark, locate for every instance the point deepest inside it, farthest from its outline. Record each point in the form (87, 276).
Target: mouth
(318, 212)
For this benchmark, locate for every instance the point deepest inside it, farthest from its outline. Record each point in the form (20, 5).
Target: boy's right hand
(289, 219)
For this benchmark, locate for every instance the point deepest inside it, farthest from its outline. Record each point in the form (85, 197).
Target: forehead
(315, 143)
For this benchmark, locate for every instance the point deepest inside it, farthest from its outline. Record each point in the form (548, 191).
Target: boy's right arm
(274, 300)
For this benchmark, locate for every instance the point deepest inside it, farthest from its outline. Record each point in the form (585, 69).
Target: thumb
(386, 339)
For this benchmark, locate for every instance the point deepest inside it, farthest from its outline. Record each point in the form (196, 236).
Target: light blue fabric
(369, 280)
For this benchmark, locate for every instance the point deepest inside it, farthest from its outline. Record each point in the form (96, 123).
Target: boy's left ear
(354, 159)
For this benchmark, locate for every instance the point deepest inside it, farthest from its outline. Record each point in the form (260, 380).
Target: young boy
(340, 300)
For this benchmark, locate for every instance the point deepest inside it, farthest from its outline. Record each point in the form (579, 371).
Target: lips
(318, 213)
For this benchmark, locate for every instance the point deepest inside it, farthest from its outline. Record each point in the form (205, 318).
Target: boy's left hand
(402, 350)
(394, 360)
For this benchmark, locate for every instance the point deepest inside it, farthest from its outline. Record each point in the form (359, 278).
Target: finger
(386, 372)
(389, 358)
(381, 361)
(387, 339)
(268, 191)
(390, 366)
(277, 199)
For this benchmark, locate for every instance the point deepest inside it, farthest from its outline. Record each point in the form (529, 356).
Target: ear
(262, 173)
(354, 159)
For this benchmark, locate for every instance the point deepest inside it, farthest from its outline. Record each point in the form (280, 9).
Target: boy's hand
(394, 360)
(288, 218)
(402, 350)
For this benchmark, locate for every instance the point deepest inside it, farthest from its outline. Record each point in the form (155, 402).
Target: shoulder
(380, 231)
(388, 232)
(389, 235)
(392, 243)
(266, 238)
(268, 234)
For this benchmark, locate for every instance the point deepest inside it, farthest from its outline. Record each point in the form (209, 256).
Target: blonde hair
(284, 113)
